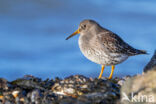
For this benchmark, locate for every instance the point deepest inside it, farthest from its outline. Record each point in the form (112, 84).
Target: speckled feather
(115, 44)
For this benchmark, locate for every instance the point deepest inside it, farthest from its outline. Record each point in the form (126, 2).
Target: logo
(137, 98)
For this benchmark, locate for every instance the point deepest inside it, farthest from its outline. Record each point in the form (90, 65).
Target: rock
(71, 86)
(75, 89)
(30, 82)
(4, 85)
(151, 64)
(5, 91)
(99, 98)
(87, 91)
(35, 96)
(140, 89)
(50, 98)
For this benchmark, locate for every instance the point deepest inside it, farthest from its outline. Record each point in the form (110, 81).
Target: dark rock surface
(79, 89)
(76, 89)
(151, 64)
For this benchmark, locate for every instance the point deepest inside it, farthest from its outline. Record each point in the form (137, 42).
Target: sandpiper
(102, 46)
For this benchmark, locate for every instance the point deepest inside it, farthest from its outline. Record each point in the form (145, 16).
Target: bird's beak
(76, 32)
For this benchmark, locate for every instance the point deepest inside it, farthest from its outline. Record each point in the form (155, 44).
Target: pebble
(76, 89)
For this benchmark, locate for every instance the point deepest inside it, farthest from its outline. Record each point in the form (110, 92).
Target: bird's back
(115, 44)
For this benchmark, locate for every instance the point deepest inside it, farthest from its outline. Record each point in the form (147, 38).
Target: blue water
(33, 32)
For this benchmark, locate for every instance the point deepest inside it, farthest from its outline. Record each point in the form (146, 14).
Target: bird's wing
(115, 44)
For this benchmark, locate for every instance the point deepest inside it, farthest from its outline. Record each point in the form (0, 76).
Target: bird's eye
(83, 26)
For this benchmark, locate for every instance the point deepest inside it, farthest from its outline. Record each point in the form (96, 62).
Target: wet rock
(35, 96)
(31, 82)
(50, 98)
(92, 91)
(75, 89)
(151, 64)
(5, 91)
(140, 89)
(99, 98)
(4, 85)
(71, 86)
(28, 83)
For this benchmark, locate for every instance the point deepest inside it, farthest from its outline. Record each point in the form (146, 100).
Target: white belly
(99, 56)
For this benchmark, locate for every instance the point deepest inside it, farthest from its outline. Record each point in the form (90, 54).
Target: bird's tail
(141, 52)
(138, 52)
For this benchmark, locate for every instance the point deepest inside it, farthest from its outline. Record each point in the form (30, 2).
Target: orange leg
(102, 69)
(113, 67)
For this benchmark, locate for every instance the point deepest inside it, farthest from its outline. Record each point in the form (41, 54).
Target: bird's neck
(96, 29)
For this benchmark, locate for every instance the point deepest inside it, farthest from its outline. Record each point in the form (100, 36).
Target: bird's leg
(113, 67)
(102, 69)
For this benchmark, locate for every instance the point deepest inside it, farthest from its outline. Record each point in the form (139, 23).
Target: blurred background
(33, 32)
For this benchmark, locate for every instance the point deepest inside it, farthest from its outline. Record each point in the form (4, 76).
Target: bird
(103, 46)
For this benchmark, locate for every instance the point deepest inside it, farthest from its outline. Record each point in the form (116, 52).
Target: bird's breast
(94, 52)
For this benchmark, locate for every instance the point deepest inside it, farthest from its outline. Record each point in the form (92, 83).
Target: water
(33, 32)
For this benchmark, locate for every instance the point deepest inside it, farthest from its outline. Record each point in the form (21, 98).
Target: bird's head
(85, 27)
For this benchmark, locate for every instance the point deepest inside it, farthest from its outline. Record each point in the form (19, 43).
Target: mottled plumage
(103, 46)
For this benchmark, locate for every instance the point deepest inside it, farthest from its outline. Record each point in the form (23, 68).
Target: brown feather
(115, 44)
